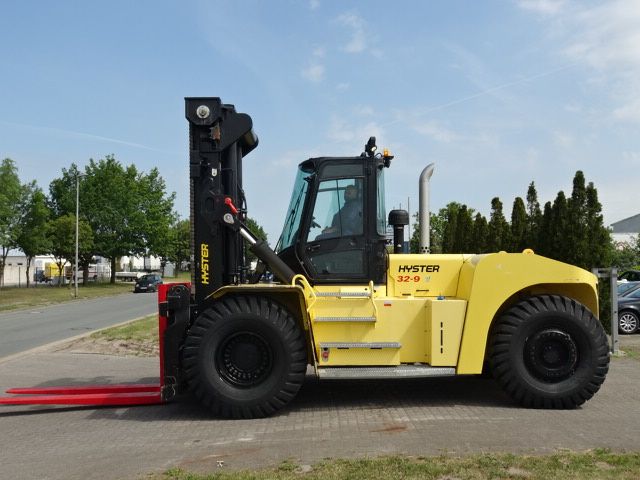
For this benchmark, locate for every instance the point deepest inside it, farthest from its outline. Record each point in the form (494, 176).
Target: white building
(16, 267)
(626, 230)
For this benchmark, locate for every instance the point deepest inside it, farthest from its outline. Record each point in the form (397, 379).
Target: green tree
(498, 236)
(450, 230)
(129, 211)
(62, 192)
(158, 211)
(534, 218)
(62, 236)
(182, 243)
(598, 244)
(626, 255)
(11, 202)
(544, 233)
(558, 228)
(464, 231)
(576, 233)
(33, 239)
(259, 232)
(480, 233)
(436, 230)
(518, 226)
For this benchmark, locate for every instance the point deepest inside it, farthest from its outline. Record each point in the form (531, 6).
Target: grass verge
(12, 298)
(143, 330)
(139, 339)
(598, 464)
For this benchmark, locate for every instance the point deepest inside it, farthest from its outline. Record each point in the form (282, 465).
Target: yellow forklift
(331, 295)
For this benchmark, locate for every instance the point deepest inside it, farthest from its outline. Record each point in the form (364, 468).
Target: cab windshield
(294, 212)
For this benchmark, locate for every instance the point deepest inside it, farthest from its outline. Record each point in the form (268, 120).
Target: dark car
(625, 288)
(630, 276)
(148, 283)
(629, 312)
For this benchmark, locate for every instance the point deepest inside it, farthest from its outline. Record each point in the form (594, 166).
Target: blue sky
(496, 93)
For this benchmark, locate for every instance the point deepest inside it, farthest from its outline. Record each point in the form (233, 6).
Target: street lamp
(78, 175)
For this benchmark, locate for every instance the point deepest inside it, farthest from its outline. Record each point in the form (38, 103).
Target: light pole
(78, 175)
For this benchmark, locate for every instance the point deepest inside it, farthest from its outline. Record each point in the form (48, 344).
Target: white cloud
(314, 4)
(364, 110)
(435, 131)
(343, 86)
(563, 139)
(545, 7)
(358, 39)
(628, 112)
(342, 131)
(314, 72)
(606, 40)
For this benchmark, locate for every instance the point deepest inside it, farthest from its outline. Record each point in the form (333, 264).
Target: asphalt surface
(25, 329)
(339, 419)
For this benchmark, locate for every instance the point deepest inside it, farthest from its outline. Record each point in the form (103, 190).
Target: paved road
(25, 329)
(343, 419)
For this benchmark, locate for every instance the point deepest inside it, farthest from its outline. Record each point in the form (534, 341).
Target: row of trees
(123, 211)
(569, 229)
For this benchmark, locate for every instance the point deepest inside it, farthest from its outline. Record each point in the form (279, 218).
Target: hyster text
(418, 268)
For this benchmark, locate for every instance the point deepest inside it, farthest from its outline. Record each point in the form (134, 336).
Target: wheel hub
(551, 355)
(244, 359)
(628, 323)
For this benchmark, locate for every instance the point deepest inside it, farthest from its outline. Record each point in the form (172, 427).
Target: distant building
(626, 230)
(16, 267)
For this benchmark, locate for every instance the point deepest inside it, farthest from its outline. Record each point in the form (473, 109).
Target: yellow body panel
(434, 309)
(423, 275)
(488, 281)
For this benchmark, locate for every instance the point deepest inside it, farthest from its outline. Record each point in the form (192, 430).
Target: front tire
(245, 357)
(627, 322)
(549, 352)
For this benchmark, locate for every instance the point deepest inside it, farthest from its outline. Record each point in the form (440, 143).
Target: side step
(345, 319)
(344, 294)
(401, 371)
(348, 345)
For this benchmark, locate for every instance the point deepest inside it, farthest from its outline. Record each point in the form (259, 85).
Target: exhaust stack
(424, 215)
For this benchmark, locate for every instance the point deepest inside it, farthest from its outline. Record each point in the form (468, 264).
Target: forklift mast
(219, 138)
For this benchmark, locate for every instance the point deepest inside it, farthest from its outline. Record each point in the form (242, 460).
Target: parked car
(629, 276)
(629, 312)
(147, 283)
(626, 288)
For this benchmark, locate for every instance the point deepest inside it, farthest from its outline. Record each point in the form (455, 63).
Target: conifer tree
(498, 228)
(462, 241)
(479, 234)
(534, 218)
(518, 226)
(599, 244)
(450, 227)
(576, 233)
(558, 228)
(544, 232)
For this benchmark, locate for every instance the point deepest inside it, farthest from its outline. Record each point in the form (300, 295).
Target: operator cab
(335, 228)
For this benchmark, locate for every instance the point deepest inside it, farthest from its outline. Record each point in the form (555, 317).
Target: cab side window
(338, 210)
(335, 239)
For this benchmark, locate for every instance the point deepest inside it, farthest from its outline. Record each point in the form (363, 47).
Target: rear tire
(245, 357)
(549, 352)
(627, 322)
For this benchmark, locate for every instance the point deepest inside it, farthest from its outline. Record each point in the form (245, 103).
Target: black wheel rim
(551, 355)
(244, 359)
